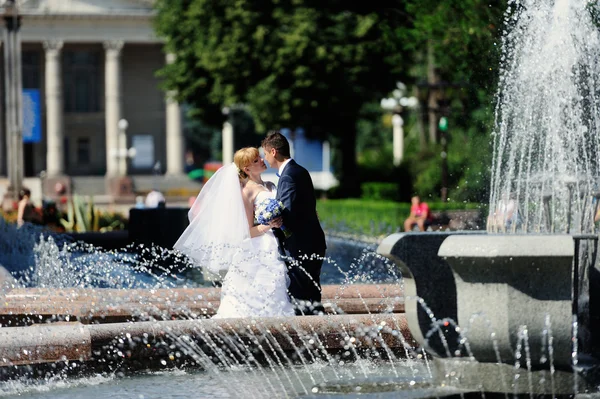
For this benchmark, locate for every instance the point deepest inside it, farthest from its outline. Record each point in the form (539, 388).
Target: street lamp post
(227, 137)
(442, 92)
(396, 104)
(13, 93)
(398, 138)
(122, 144)
(443, 127)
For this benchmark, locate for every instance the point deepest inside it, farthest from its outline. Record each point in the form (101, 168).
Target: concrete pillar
(13, 105)
(227, 143)
(175, 139)
(113, 107)
(502, 286)
(398, 139)
(54, 109)
(3, 152)
(326, 156)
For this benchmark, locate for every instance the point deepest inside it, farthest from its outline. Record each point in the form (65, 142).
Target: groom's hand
(276, 223)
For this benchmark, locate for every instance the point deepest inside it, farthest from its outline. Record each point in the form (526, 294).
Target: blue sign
(32, 124)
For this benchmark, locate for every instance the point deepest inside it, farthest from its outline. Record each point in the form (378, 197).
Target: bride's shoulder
(248, 190)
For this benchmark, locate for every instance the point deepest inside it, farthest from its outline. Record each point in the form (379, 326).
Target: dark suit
(295, 190)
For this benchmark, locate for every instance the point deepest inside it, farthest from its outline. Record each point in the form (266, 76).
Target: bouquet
(269, 209)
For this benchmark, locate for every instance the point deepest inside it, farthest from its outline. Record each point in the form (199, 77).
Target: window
(81, 81)
(30, 61)
(144, 151)
(83, 151)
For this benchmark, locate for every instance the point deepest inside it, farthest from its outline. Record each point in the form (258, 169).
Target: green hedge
(379, 191)
(371, 217)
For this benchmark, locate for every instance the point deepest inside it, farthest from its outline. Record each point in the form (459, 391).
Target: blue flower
(267, 210)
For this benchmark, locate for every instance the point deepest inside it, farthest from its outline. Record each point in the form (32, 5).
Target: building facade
(92, 64)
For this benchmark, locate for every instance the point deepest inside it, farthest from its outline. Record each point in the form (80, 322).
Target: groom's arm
(287, 195)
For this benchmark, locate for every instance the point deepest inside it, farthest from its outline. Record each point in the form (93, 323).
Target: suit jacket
(295, 190)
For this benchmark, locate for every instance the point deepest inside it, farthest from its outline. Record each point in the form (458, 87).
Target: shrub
(374, 218)
(379, 191)
(10, 216)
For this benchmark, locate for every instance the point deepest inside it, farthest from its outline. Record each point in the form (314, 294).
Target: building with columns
(94, 63)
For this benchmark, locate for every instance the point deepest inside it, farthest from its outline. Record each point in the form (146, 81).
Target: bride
(222, 237)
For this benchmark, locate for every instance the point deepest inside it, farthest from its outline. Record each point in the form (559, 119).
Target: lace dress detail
(256, 283)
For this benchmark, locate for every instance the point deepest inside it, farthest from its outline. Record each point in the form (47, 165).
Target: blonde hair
(244, 157)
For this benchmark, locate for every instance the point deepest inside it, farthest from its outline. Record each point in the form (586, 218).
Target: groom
(306, 244)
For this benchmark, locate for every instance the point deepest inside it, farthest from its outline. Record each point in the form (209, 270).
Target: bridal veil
(218, 223)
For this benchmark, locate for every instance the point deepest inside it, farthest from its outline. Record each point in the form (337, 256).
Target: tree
(295, 63)
(459, 41)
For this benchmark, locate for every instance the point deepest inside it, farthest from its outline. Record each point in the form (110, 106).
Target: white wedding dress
(256, 282)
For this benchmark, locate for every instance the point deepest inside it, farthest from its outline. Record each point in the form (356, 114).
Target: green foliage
(325, 65)
(8, 216)
(464, 37)
(594, 9)
(112, 221)
(300, 63)
(82, 216)
(203, 140)
(371, 217)
(357, 216)
(469, 161)
(379, 191)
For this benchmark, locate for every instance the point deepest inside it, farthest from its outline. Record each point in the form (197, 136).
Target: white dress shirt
(283, 165)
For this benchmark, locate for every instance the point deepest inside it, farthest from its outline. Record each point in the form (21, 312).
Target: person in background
(26, 211)
(505, 216)
(155, 199)
(419, 215)
(139, 202)
(51, 216)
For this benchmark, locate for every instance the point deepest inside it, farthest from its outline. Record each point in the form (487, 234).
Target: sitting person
(419, 215)
(506, 215)
(26, 211)
(155, 199)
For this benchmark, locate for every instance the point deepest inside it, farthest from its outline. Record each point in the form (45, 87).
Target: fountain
(547, 134)
(80, 317)
(515, 311)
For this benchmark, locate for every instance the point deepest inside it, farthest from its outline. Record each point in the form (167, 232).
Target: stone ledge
(507, 246)
(27, 306)
(145, 341)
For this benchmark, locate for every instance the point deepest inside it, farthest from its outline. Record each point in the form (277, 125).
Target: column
(13, 105)
(326, 162)
(54, 109)
(175, 140)
(227, 143)
(113, 104)
(3, 135)
(398, 139)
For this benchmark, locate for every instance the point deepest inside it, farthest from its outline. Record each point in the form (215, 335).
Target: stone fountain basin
(85, 325)
(25, 306)
(141, 344)
(493, 308)
(514, 290)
